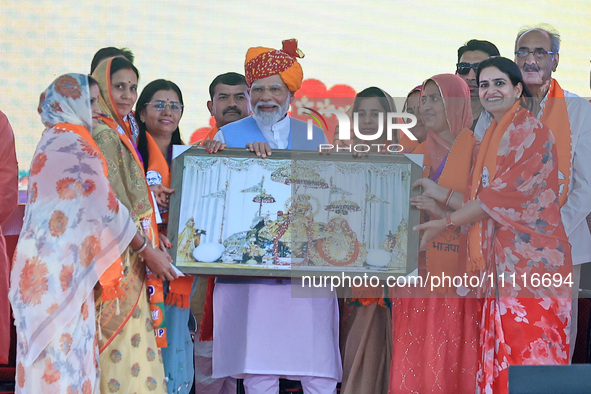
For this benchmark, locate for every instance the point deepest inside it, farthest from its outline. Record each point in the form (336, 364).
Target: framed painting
(294, 213)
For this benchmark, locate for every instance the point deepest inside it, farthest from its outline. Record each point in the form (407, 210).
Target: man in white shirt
(536, 53)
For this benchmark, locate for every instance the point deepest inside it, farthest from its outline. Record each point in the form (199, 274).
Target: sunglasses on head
(464, 68)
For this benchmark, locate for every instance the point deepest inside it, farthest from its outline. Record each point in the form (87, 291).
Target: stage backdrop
(394, 45)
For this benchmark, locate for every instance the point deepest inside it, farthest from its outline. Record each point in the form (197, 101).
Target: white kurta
(259, 328)
(578, 204)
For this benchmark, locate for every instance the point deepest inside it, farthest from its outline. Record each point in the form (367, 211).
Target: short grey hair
(550, 30)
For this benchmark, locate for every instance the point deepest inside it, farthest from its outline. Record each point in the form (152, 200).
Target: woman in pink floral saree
(516, 240)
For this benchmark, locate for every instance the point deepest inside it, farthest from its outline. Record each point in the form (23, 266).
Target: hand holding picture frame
(294, 213)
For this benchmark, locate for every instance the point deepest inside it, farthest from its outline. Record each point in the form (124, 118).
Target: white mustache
(261, 103)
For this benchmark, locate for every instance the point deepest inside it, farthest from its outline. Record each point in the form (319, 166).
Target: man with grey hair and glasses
(569, 118)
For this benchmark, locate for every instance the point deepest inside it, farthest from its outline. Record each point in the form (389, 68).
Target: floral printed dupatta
(74, 228)
(523, 247)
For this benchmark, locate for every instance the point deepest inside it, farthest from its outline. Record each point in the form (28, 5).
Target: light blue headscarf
(67, 100)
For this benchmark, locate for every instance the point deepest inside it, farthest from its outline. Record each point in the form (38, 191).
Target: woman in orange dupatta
(128, 319)
(516, 237)
(73, 234)
(435, 334)
(158, 112)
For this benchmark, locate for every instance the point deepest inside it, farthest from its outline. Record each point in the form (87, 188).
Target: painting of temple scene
(235, 214)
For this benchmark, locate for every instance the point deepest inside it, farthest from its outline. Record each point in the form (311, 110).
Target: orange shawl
(555, 116)
(486, 159)
(179, 290)
(442, 254)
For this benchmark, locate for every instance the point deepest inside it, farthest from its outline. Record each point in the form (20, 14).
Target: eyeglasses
(464, 68)
(160, 105)
(539, 53)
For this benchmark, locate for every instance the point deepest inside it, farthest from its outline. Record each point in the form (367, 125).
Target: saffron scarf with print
(485, 166)
(179, 290)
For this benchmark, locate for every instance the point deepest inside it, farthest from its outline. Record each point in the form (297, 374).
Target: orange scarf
(442, 254)
(487, 159)
(110, 280)
(179, 290)
(555, 116)
(158, 161)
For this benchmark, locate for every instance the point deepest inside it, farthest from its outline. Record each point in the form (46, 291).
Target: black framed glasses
(539, 53)
(464, 68)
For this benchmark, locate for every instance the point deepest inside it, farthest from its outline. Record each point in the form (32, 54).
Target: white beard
(270, 118)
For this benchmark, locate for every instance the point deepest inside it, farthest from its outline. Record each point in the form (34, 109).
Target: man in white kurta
(261, 331)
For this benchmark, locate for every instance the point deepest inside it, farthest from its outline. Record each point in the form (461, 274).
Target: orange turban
(263, 62)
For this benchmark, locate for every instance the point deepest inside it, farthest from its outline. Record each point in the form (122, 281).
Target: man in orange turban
(265, 62)
(260, 331)
(273, 76)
